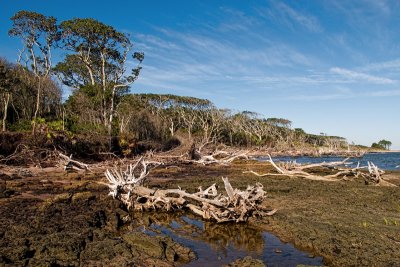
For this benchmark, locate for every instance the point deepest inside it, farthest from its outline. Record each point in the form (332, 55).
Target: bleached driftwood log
(69, 163)
(235, 205)
(292, 169)
(121, 182)
(374, 175)
(226, 160)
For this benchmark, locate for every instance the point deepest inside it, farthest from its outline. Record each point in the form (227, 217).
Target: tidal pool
(219, 244)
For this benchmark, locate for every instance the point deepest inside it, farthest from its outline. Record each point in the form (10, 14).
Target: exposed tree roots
(235, 205)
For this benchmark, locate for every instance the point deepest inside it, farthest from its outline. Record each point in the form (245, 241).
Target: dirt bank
(50, 217)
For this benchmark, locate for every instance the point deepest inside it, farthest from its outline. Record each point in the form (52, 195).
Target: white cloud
(354, 76)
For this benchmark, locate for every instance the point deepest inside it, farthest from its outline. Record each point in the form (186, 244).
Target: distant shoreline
(384, 151)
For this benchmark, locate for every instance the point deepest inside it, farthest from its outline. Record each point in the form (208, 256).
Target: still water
(385, 161)
(219, 244)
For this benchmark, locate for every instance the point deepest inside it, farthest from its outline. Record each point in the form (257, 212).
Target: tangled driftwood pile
(235, 206)
(293, 169)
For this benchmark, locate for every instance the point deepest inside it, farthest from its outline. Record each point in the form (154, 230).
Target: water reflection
(219, 236)
(218, 244)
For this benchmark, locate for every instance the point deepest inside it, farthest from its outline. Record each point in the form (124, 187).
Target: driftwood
(235, 205)
(30, 155)
(70, 164)
(293, 169)
(121, 182)
(374, 175)
(215, 157)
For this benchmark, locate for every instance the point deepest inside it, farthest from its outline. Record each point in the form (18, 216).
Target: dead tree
(293, 169)
(236, 205)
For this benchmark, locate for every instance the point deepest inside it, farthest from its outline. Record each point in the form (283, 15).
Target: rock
(175, 252)
(145, 244)
(246, 262)
(3, 188)
(83, 197)
(159, 247)
(108, 252)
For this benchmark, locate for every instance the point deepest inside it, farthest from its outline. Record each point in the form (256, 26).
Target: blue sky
(329, 66)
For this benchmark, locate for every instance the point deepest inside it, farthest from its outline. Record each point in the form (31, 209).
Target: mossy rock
(63, 198)
(81, 197)
(60, 249)
(246, 262)
(145, 244)
(107, 252)
(159, 247)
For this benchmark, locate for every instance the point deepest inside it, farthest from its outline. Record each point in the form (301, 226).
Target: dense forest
(95, 66)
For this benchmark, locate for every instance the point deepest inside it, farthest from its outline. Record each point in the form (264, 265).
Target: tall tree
(8, 79)
(38, 34)
(385, 143)
(97, 61)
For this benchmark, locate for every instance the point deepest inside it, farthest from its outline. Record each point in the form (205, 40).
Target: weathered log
(236, 205)
(121, 182)
(69, 163)
(293, 169)
(211, 159)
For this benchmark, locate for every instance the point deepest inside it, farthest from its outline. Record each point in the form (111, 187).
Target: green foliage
(39, 121)
(8, 76)
(38, 34)
(86, 128)
(385, 143)
(21, 126)
(57, 125)
(299, 131)
(96, 66)
(382, 144)
(377, 146)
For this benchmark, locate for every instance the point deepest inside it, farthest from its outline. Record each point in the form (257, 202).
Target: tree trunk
(37, 106)
(111, 112)
(7, 100)
(103, 81)
(172, 128)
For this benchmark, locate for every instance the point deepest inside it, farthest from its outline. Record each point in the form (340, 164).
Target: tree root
(235, 205)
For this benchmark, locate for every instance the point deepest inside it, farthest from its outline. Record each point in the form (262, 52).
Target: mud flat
(53, 218)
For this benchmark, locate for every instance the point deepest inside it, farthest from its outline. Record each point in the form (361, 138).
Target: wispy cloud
(384, 93)
(354, 76)
(380, 66)
(344, 94)
(224, 60)
(381, 5)
(236, 20)
(174, 57)
(283, 13)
